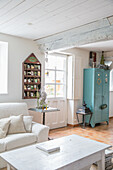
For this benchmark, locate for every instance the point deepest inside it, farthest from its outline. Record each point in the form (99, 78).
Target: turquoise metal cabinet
(96, 94)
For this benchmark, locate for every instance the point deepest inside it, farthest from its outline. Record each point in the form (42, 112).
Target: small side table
(43, 111)
(83, 114)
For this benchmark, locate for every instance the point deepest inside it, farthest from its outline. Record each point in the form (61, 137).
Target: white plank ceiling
(35, 19)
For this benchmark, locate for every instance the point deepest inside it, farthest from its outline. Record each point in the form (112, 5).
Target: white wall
(109, 55)
(18, 50)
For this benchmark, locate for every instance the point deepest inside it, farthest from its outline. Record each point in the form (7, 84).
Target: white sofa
(39, 132)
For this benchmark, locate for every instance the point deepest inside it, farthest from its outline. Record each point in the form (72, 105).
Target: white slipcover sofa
(38, 134)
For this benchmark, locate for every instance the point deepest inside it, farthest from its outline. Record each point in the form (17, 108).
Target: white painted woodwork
(74, 87)
(79, 60)
(74, 77)
(99, 46)
(109, 56)
(77, 78)
(100, 30)
(70, 77)
(75, 152)
(40, 18)
(71, 111)
(8, 167)
(101, 164)
(57, 119)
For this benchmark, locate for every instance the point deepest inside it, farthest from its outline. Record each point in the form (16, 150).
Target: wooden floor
(101, 133)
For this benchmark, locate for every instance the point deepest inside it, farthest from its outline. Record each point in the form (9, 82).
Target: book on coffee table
(47, 147)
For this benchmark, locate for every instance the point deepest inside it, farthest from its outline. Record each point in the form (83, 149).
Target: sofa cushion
(13, 109)
(16, 125)
(4, 125)
(2, 145)
(28, 123)
(18, 140)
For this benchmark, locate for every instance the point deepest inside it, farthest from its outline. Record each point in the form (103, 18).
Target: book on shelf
(48, 147)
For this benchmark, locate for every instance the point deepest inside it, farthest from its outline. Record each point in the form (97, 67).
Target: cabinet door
(105, 96)
(98, 95)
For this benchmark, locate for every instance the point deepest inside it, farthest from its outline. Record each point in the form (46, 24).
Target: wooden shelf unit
(31, 82)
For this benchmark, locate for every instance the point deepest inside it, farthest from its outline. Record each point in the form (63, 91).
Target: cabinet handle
(103, 106)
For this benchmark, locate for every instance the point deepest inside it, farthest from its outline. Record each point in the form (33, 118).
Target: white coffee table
(75, 153)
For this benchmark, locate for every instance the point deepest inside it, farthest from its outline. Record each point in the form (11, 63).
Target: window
(55, 76)
(3, 67)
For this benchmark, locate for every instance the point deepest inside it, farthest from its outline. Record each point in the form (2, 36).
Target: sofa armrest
(41, 131)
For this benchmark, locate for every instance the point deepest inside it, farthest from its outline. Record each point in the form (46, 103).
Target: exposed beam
(92, 32)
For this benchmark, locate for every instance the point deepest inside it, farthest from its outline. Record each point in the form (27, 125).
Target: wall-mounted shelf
(31, 77)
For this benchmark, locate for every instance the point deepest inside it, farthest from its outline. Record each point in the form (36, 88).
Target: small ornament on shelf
(32, 94)
(29, 80)
(32, 66)
(28, 66)
(25, 87)
(29, 73)
(25, 80)
(35, 87)
(25, 66)
(36, 80)
(32, 73)
(39, 67)
(39, 73)
(32, 80)
(32, 87)
(24, 72)
(27, 94)
(28, 87)
(36, 66)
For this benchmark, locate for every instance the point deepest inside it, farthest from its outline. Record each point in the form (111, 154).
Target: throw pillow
(4, 125)
(16, 125)
(28, 123)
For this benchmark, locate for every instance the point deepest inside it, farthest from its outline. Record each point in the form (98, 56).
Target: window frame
(65, 81)
(4, 47)
(111, 81)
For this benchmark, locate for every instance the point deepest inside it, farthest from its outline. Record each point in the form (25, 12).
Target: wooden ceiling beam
(93, 32)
